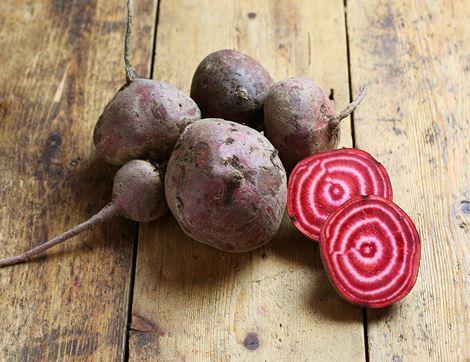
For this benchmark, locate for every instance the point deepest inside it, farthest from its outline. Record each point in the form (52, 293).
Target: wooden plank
(414, 57)
(193, 302)
(61, 62)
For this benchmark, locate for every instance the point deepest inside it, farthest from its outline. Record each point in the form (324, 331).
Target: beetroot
(321, 183)
(226, 185)
(230, 85)
(371, 251)
(137, 195)
(299, 119)
(144, 119)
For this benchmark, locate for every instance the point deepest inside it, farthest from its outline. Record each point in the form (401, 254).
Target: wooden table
(124, 291)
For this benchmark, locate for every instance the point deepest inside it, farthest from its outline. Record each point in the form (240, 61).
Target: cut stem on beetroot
(346, 112)
(130, 71)
(321, 183)
(371, 251)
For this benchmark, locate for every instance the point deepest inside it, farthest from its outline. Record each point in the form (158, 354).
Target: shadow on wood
(291, 245)
(192, 263)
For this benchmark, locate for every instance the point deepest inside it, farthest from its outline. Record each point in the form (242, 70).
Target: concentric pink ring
(371, 250)
(321, 183)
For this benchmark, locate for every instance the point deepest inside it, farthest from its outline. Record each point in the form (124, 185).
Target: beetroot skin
(138, 191)
(231, 85)
(299, 119)
(321, 183)
(226, 185)
(138, 194)
(371, 251)
(143, 120)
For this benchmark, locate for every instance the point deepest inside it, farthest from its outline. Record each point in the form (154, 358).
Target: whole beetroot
(144, 119)
(138, 195)
(231, 85)
(226, 185)
(299, 119)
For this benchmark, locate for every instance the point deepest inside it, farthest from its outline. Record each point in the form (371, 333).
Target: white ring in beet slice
(321, 183)
(371, 250)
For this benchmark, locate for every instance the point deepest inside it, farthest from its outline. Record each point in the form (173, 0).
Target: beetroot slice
(371, 251)
(321, 183)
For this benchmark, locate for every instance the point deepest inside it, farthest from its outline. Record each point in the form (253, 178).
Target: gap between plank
(353, 136)
(353, 131)
(154, 44)
(366, 333)
(130, 298)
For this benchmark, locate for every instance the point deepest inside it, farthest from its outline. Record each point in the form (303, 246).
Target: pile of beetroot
(206, 159)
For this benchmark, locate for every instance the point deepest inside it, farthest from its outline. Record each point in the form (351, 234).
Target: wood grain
(192, 302)
(61, 61)
(414, 57)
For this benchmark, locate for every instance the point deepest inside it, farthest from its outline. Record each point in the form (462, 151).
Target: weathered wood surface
(415, 58)
(61, 61)
(192, 302)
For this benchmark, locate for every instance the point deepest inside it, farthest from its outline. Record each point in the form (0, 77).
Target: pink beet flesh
(371, 251)
(321, 183)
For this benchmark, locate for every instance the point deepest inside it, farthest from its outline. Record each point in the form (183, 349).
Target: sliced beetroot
(371, 251)
(321, 183)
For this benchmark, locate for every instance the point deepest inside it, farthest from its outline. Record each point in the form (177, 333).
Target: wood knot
(251, 341)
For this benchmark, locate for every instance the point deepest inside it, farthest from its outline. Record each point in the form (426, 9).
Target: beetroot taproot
(300, 121)
(321, 183)
(144, 119)
(226, 185)
(231, 85)
(138, 194)
(371, 251)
